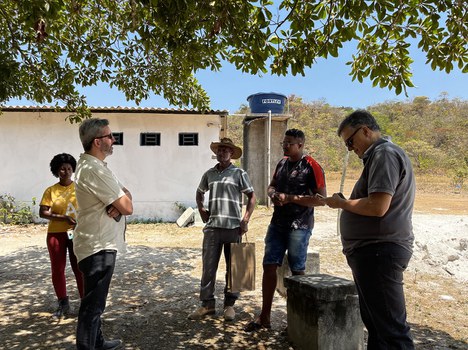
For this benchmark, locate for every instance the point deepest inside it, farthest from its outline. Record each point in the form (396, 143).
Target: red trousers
(58, 244)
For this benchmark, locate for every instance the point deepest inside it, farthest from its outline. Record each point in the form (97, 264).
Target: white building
(161, 156)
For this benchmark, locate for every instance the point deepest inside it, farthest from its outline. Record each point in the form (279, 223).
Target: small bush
(15, 213)
(181, 207)
(145, 221)
(460, 175)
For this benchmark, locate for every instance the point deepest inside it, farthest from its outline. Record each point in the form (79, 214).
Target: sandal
(255, 326)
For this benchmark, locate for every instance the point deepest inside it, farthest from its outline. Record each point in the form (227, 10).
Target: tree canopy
(49, 47)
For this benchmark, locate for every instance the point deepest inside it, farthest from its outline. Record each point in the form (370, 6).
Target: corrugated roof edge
(112, 109)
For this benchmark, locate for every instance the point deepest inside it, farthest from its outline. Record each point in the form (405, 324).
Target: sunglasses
(287, 144)
(109, 136)
(349, 140)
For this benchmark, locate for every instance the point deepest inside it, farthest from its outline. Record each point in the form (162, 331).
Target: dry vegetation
(155, 287)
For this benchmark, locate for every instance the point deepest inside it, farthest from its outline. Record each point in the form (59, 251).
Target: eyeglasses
(109, 136)
(287, 144)
(349, 141)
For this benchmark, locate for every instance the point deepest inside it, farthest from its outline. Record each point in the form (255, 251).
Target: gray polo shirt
(225, 198)
(386, 169)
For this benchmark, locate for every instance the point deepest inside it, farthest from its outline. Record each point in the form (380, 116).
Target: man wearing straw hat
(225, 223)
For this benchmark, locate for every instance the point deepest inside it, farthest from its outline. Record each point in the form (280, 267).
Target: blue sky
(327, 79)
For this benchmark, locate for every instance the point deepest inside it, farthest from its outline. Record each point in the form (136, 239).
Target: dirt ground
(155, 285)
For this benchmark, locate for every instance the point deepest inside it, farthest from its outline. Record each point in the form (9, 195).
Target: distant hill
(433, 133)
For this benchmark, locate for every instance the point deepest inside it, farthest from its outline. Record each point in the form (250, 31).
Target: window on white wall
(118, 136)
(188, 139)
(150, 139)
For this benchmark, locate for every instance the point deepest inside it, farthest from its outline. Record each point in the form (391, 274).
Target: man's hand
(335, 201)
(276, 202)
(204, 214)
(278, 198)
(112, 211)
(244, 226)
(283, 198)
(273, 196)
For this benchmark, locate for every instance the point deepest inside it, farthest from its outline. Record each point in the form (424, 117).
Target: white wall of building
(157, 176)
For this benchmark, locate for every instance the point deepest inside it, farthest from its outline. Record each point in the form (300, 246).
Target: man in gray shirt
(376, 230)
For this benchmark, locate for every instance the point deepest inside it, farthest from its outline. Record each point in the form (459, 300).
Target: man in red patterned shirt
(297, 180)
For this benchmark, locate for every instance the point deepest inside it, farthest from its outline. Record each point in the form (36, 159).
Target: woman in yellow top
(58, 205)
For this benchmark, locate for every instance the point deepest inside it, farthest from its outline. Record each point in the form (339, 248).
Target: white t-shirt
(96, 188)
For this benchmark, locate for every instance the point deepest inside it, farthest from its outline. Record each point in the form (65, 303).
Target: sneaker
(63, 308)
(201, 312)
(110, 345)
(229, 313)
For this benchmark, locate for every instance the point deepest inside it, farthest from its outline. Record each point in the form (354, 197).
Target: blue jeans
(295, 241)
(97, 272)
(215, 240)
(378, 274)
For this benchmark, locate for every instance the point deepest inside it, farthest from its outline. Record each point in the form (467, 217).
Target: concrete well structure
(323, 313)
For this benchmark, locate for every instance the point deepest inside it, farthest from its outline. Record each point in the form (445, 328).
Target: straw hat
(226, 142)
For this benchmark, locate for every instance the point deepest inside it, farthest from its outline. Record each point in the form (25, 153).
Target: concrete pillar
(254, 156)
(323, 313)
(312, 268)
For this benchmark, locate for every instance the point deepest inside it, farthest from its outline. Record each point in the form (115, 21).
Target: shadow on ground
(153, 291)
(428, 338)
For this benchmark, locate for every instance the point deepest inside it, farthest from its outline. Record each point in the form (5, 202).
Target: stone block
(186, 218)
(323, 313)
(312, 268)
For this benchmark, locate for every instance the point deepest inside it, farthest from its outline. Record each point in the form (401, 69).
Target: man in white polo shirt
(99, 234)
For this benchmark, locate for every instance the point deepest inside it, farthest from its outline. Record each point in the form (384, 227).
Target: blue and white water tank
(263, 102)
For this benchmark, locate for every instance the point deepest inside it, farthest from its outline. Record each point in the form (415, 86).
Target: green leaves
(48, 47)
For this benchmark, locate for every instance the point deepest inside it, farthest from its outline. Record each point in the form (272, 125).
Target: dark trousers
(378, 274)
(215, 240)
(97, 272)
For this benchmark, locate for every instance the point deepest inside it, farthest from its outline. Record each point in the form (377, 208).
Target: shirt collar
(216, 168)
(370, 150)
(91, 158)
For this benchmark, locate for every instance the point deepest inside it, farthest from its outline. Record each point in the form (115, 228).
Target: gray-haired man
(376, 230)
(99, 234)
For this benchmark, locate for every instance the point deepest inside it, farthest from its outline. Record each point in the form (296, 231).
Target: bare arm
(45, 212)
(376, 204)
(252, 199)
(123, 205)
(127, 192)
(304, 200)
(204, 213)
(271, 191)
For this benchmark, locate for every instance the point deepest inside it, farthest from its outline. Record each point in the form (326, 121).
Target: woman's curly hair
(58, 160)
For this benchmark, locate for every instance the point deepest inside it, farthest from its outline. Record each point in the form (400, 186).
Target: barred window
(150, 139)
(188, 139)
